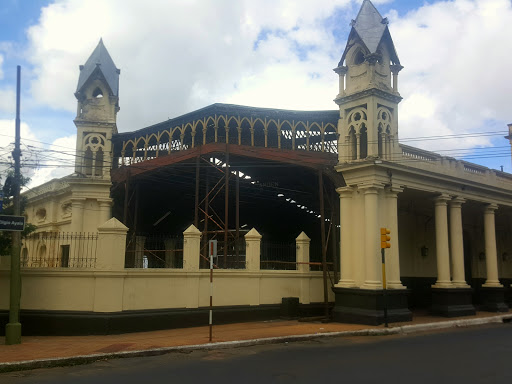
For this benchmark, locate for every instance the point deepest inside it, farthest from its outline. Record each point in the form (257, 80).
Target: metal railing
(278, 255)
(232, 259)
(154, 251)
(59, 250)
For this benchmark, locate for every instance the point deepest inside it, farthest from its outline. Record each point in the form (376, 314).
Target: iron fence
(233, 259)
(278, 255)
(59, 250)
(154, 251)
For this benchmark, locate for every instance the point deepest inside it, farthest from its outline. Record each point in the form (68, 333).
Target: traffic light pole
(385, 296)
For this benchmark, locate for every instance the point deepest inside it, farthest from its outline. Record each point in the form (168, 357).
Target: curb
(405, 329)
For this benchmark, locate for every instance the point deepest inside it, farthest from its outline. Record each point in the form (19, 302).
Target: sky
(180, 55)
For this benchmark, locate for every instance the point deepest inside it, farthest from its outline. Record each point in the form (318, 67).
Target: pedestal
(493, 299)
(452, 302)
(365, 306)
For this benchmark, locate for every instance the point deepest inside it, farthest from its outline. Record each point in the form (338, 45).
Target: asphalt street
(472, 355)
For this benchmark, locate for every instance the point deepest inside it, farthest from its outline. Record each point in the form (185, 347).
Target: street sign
(12, 223)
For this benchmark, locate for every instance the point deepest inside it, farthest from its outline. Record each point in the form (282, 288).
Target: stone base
(364, 306)
(452, 302)
(493, 299)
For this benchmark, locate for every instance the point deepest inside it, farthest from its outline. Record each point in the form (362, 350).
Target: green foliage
(8, 209)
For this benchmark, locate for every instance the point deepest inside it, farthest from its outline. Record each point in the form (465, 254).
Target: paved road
(476, 355)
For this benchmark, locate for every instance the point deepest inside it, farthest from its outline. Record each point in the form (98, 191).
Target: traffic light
(384, 238)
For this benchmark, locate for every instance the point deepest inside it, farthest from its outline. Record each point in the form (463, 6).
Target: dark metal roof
(234, 110)
(100, 59)
(371, 28)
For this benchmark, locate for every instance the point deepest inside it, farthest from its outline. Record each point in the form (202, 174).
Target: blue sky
(280, 54)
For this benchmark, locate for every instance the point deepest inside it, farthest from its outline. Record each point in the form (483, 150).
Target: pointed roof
(371, 28)
(369, 25)
(100, 58)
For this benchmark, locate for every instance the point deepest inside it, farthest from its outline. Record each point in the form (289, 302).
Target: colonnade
(447, 278)
(366, 208)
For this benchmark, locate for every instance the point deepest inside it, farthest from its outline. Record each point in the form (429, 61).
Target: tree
(8, 209)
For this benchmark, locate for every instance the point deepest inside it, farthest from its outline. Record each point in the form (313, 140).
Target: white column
(457, 243)
(346, 222)
(442, 248)
(393, 253)
(77, 214)
(105, 210)
(372, 259)
(491, 256)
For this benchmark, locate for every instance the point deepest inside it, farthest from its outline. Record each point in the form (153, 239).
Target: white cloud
(456, 74)
(1, 67)
(182, 55)
(53, 162)
(178, 56)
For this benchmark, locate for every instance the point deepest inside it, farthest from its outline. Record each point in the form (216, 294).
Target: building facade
(339, 175)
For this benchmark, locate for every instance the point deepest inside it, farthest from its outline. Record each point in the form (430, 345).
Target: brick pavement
(48, 347)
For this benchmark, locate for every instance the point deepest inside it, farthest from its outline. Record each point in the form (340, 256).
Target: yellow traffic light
(384, 238)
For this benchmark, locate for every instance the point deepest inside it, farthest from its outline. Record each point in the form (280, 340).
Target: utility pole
(13, 328)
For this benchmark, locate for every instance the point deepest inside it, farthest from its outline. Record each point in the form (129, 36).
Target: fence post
(302, 254)
(252, 250)
(111, 245)
(191, 249)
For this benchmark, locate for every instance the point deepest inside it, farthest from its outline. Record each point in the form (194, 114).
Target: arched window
(363, 143)
(97, 93)
(98, 169)
(380, 143)
(352, 144)
(359, 57)
(88, 162)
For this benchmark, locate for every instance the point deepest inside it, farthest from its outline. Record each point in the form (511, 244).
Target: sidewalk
(40, 351)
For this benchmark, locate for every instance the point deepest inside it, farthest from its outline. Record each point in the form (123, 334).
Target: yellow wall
(111, 291)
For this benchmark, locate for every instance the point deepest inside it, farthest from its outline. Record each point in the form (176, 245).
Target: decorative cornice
(369, 92)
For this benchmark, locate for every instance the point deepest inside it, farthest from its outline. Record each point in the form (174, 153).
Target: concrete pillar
(393, 253)
(442, 247)
(252, 250)
(105, 207)
(111, 249)
(457, 243)
(191, 249)
(302, 252)
(371, 239)
(346, 271)
(77, 214)
(491, 257)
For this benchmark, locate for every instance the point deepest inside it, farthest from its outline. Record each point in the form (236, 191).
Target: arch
(363, 142)
(186, 137)
(352, 144)
(210, 130)
(97, 93)
(88, 157)
(330, 138)
(286, 132)
(246, 127)
(260, 136)
(358, 55)
(301, 136)
(315, 138)
(98, 163)
(272, 134)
